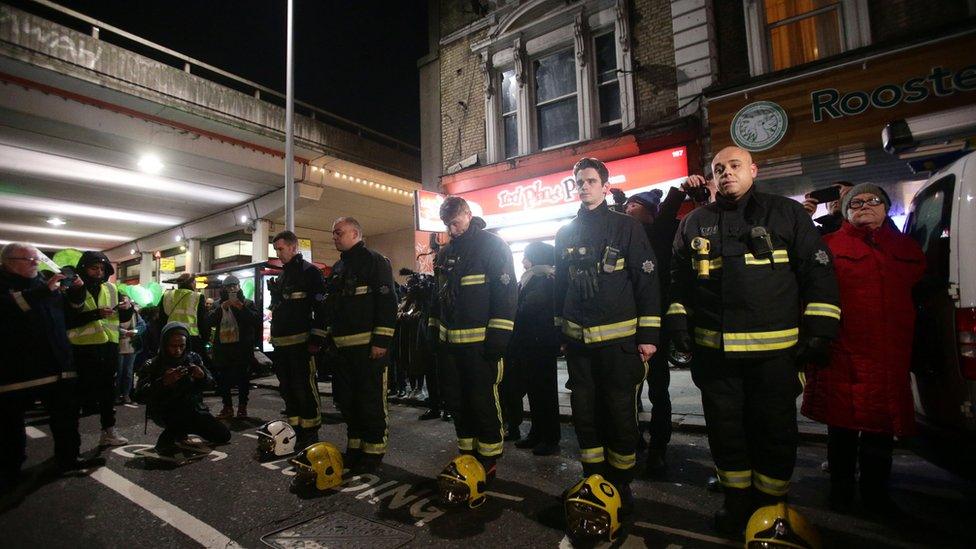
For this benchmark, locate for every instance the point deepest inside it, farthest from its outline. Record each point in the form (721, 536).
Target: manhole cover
(338, 530)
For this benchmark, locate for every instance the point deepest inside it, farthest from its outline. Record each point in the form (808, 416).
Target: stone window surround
(855, 31)
(562, 27)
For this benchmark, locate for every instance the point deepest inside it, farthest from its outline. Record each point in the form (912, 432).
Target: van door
(941, 392)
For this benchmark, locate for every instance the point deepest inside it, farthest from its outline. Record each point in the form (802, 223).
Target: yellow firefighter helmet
(593, 509)
(319, 464)
(780, 525)
(463, 481)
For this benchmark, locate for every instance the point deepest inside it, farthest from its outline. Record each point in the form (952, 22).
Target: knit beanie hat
(649, 199)
(864, 188)
(540, 253)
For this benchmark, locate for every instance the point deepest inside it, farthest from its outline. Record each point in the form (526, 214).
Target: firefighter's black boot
(732, 518)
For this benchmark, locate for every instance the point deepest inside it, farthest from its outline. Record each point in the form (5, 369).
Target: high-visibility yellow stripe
(822, 309)
(648, 322)
(499, 373)
(383, 331)
(361, 290)
(557, 321)
(621, 461)
(677, 309)
(770, 485)
(472, 280)
(295, 295)
(591, 455)
(708, 338)
(489, 450)
(313, 422)
(620, 265)
(281, 341)
(469, 335)
(294, 421)
(466, 444)
(606, 332)
(734, 479)
(374, 448)
(713, 263)
(779, 256)
(313, 386)
(354, 444)
(21, 302)
(320, 332)
(760, 341)
(433, 322)
(352, 340)
(501, 324)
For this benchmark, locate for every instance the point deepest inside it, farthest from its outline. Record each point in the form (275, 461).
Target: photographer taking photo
(37, 364)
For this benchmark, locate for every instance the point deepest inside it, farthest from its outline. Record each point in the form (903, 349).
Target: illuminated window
(789, 33)
(509, 98)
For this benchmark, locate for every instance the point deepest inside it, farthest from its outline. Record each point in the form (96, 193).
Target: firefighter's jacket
(747, 295)
(476, 291)
(298, 315)
(361, 302)
(606, 287)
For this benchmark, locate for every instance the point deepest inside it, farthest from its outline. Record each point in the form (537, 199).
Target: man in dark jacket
(607, 302)
(37, 362)
(93, 329)
(533, 350)
(474, 313)
(177, 378)
(753, 293)
(298, 331)
(237, 321)
(362, 313)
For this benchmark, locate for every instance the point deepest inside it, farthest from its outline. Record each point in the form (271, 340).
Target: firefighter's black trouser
(61, 401)
(469, 387)
(750, 416)
(604, 382)
(96, 366)
(295, 368)
(359, 388)
(658, 382)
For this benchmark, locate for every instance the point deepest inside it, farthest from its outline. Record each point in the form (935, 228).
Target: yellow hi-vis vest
(181, 306)
(102, 330)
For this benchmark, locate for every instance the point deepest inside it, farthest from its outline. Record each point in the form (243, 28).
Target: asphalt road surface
(229, 499)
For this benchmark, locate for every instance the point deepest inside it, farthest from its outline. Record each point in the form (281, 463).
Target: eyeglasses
(29, 259)
(857, 203)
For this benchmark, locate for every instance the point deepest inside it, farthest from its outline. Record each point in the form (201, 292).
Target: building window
(509, 98)
(788, 33)
(608, 85)
(557, 112)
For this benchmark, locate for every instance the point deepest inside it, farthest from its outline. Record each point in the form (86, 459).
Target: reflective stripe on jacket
(180, 305)
(102, 330)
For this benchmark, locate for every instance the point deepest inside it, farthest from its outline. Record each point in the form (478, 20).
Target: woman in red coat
(864, 393)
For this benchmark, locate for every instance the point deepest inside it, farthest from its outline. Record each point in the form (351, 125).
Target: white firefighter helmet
(276, 438)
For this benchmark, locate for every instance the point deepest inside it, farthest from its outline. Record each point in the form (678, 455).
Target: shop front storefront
(809, 129)
(533, 209)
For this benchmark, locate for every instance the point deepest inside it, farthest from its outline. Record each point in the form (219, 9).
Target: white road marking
(130, 405)
(199, 531)
(632, 542)
(34, 432)
(249, 435)
(500, 495)
(687, 534)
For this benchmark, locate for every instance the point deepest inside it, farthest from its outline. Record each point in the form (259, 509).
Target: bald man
(755, 299)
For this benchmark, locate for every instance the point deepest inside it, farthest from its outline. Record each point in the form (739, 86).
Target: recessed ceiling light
(132, 251)
(150, 163)
(46, 206)
(243, 219)
(56, 221)
(179, 237)
(12, 227)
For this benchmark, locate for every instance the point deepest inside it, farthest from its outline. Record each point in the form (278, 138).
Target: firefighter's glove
(813, 351)
(681, 341)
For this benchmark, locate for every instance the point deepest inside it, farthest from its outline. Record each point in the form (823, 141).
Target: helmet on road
(780, 526)
(276, 438)
(463, 481)
(320, 465)
(593, 509)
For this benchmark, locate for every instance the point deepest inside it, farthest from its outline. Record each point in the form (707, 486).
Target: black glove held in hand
(814, 351)
(681, 341)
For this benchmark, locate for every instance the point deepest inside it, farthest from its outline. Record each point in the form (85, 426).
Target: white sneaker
(111, 438)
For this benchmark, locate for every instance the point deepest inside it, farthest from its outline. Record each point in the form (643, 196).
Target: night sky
(355, 58)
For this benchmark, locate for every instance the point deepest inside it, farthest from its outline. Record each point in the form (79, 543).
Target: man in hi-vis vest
(186, 305)
(93, 330)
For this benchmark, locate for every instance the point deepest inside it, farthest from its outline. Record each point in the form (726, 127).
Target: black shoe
(528, 442)
(546, 449)
(626, 500)
(732, 518)
(655, 461)
(841, 498)
(513, 434)
(447, 416)
(78, 464)
(432, 413)
(714, 484)
(367, 463)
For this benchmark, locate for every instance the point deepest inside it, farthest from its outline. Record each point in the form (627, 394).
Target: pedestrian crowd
(736, 284)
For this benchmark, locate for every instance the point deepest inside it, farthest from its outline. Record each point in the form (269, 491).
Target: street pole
(289, 128)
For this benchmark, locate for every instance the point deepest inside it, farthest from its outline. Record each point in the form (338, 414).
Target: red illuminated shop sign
(553, 196)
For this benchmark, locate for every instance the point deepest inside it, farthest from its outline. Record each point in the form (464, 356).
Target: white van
(942, 219)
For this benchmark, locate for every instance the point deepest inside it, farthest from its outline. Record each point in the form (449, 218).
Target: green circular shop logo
(759, 126)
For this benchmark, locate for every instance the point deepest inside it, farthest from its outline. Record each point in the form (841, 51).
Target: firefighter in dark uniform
(473, 314)
(298, 322)
(607, 304)
(362, 309)
(754, 295)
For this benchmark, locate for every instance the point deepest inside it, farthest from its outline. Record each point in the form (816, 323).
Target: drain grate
(338, 530)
